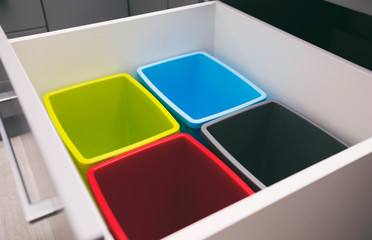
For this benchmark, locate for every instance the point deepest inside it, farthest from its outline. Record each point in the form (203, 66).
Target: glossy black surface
(340, 30)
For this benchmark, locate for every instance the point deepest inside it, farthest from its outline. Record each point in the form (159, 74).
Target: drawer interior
(331, 91)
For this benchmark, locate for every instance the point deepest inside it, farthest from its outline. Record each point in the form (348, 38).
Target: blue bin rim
(189, 121)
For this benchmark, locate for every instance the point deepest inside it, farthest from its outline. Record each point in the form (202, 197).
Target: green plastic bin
(103, 118)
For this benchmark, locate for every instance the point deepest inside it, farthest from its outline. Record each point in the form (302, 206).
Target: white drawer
(329, 90)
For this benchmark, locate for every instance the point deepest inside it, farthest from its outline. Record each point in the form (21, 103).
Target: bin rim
(173, 137)
(265, 102)
(187, 119)
(93, 160)
(101, 200)
(210, 139)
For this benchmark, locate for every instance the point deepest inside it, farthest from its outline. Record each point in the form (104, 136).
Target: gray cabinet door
(70, 13)
(20, 15)
(145, 6)
(27, 32)
(179, 3)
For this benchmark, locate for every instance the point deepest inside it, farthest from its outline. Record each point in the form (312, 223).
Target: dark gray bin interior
(268, 142)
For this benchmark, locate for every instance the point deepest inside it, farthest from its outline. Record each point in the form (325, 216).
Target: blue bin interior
(200, 85)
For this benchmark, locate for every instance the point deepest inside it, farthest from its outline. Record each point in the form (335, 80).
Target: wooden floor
(13, 225)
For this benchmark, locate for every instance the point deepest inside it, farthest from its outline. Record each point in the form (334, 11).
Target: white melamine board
(335, 207)
(329, 90)
(330, 200)
(63, 58)
(80, 209)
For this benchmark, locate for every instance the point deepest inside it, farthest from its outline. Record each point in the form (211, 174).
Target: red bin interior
(157, 189)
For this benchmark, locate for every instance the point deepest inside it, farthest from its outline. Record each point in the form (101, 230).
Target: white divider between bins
(329, 200)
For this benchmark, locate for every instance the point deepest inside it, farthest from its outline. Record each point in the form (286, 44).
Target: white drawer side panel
(331, 91)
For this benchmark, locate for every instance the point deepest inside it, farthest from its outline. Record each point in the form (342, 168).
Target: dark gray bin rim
(249, 177)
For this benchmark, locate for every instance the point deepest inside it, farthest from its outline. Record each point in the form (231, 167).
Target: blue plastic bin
(197, 88)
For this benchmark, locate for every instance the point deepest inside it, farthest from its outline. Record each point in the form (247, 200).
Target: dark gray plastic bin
(268, 142)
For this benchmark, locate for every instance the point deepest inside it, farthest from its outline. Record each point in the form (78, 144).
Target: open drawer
(332, 92)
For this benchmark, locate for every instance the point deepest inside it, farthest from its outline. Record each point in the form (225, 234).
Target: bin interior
(199, 85)
(165, 187)
(105, 115)
(272, 142)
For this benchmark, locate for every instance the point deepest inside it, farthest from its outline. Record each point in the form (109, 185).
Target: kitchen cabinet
(26, 177)
(13, 224)
(72, 13)
(179, 3)
(363, 6)
(26, 32)
(22, 17)
(334, 28)
(145, 6)
(329, 200)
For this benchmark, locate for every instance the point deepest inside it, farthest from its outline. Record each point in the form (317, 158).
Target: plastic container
(159, 188)
(103, 118)
(197, 88)
(268, 142)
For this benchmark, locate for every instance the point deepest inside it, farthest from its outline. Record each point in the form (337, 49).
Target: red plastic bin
(157, 189)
